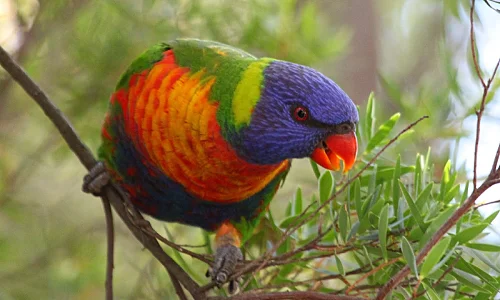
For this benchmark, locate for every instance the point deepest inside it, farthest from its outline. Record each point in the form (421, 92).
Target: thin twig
(486, 203)
(177, 286)
(473, 44)
(150, 231)
(295, 295)
(495, 160)
(110, 233)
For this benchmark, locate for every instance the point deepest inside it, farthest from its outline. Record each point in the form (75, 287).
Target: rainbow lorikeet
(201, 133)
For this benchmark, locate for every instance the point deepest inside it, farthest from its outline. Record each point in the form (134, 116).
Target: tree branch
(296, 295)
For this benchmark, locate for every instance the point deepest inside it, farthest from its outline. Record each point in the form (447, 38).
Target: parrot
(202, 133)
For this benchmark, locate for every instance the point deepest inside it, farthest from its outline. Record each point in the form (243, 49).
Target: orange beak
(335, 148)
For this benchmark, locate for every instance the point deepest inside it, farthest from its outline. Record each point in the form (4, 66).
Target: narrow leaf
(315, 168)
(484, 247)
(340, 267)
(445, 179)
(370, 117)
(470, 233)
(409, 255)
(434, 256)
(417, 176)
(382, 132)
(325, 186)
(298, 201)
(343, 223)
(415, 212)
(436, 223)
(383, 223)
(430, 292)
(357, 198)
(424, 196)
(468, 280)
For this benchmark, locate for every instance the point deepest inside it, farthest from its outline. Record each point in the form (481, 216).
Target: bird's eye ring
(300, 114)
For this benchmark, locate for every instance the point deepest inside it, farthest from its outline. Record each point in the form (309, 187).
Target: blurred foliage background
(413, 54)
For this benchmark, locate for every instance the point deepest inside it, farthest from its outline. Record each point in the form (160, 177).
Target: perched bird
(201, 133)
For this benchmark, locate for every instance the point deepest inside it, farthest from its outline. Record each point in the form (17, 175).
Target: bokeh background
(413, 54)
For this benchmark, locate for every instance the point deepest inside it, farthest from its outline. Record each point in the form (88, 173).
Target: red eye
(300, 114)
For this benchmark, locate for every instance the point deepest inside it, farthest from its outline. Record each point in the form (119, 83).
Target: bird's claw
(96, 179)
(226, 258)
(233, 287)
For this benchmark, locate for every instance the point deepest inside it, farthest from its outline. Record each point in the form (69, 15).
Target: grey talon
(96, 179)
(221, 277)
(226, 258)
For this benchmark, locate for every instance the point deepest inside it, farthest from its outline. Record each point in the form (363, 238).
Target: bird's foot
(227, 256)
(96, 179)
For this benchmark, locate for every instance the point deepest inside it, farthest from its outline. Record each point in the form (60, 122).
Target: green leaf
(315, 168)
(483, 247)
(409, 255)
(369, 117)
(469, 233)
(343, 223)
(396, 190)
(293, 220)
(373, 179)
(375, 203)
(325, 186)
(415, 212)
(441, 263)
(298, 201)
(424, 196)
(436, 223)
(382, 132)
(288, 210)
(485, 259)
(357, 198)
(491, 217)
(354, 231)
(434, 256)
(427, 159)
(430, 292)
(285, 270)
(417, 176)
(451, 193)
(383, 222)
(445, 179)
(285, 247)
(469, 268)
(367, 256)
(340, 267)
(468, 280)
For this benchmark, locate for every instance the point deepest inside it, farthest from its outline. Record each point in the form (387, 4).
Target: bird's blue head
(300, 113)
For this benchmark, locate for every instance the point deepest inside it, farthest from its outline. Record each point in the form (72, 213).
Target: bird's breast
(169, 116)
